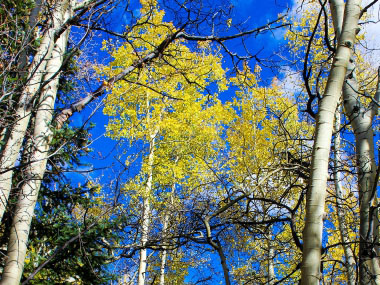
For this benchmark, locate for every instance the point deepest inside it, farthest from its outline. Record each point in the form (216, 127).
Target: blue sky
(253, 14)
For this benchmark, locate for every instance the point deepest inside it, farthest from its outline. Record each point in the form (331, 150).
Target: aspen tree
(315, 200)
(165, 251)
(183, 80)
(340, 211)
(23, 113)
(157, 53)
(266, 130)
(361, 120)
(146, 214)
(37, 79)
(165, 229)
(39, 144)
(270, 267)
(337, 12)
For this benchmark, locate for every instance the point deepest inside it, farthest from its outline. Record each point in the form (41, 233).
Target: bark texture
(315, 200)
(165, 234)
(145, 223)
(37, 70)
(164, 252)
(37, 153)
(361, 120)
(350, 262)
(271, 274)
(337, 13)
(144, 238)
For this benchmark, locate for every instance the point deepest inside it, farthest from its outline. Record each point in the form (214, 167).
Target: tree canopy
(156, 142)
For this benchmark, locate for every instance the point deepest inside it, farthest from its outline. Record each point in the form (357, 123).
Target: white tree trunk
(165, 233)
(315, 200)
(37, 70)
(349, 254)
(361, 121)
(337, 14)
(165, 251)
(145, 222)
(271, 274)
(38, 147)
(144, 238)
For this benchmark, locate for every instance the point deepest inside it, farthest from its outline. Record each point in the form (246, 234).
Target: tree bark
(361, 121)
(223, 262)
(22, 115)
(215, 243)
(271, 274)
(34, 172)
(144, 238)
(146, 210)
(340, 211)
(337, 14)
(164, 252)
(315, 200)
(165, 233)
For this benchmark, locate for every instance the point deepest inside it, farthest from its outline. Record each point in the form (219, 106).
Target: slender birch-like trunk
(271, 275)
(145, 223)
(164, 231)
(164, 252)
(376, 225)
(337, 14)
(146, 216)
(22, 115)
(361, 120)
(315, 199)
(144, 238)
(340, 211)
(34, 172)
